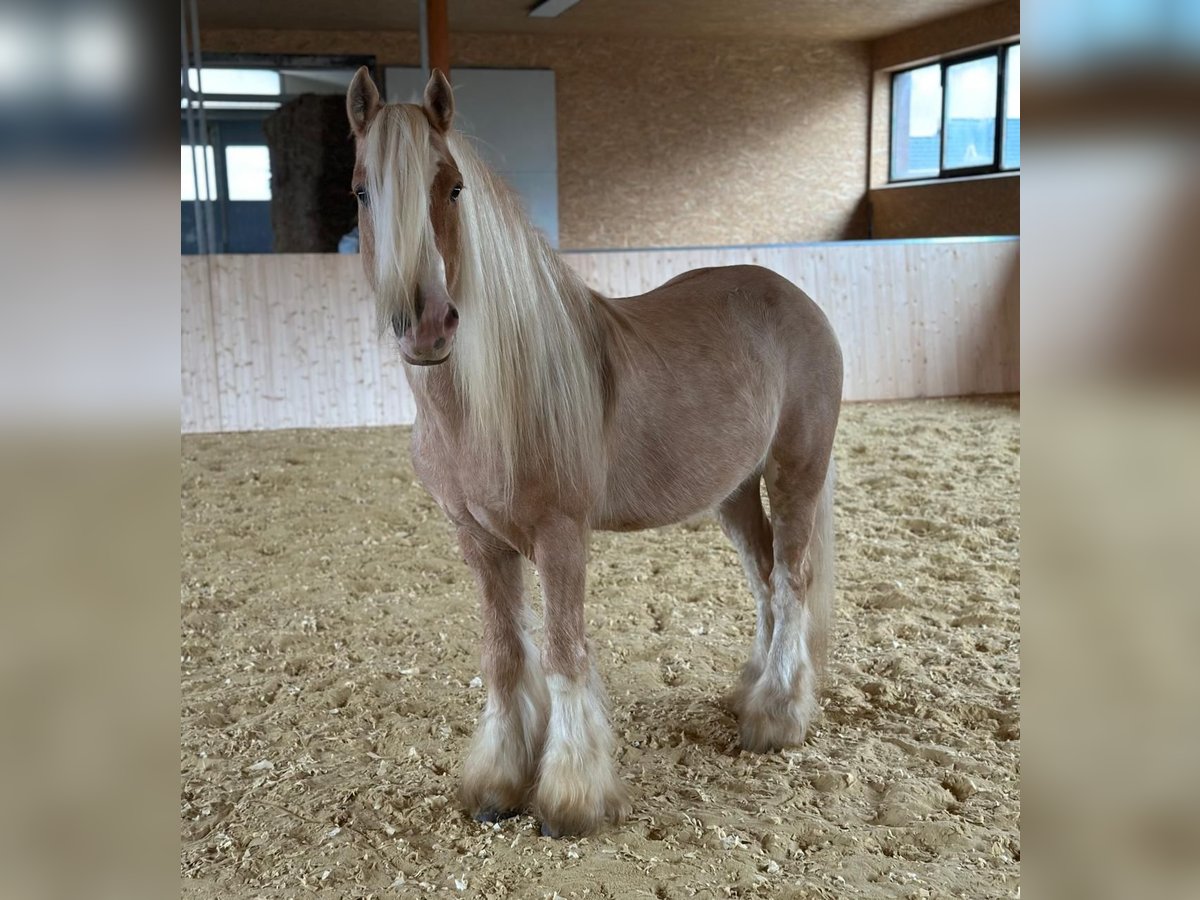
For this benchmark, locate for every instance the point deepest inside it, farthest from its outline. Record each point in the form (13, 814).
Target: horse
(546, 411)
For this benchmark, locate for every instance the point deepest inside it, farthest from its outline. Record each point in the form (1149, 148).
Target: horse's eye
(458, 189)
(361, 194)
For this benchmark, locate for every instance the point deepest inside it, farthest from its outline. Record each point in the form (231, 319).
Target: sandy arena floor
(330, 684)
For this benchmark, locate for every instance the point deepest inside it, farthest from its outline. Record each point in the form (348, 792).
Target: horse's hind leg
(776, 710)
(748, 529)
(502, 763)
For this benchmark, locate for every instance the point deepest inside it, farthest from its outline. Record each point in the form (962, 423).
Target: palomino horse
(546, 411)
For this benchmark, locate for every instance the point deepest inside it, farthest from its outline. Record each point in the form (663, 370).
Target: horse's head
(408, 186)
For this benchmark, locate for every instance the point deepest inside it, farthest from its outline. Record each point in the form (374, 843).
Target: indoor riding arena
(331, 668)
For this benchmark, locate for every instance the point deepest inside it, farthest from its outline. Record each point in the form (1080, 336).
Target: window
(1010, 156)
(191, 175)
(235, 81)
(916, 123)
(229, 88)
(248, 172)
(959, 116)
(970, 114)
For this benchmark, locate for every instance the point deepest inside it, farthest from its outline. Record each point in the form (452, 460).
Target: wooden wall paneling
(844, 286)
(888, 271)
(957, 331)
(1006, 320)
(994, 321)
(200, 394)
(290, 340)
(288, 384)
(973, 338)
(371, 368)
(871, 273)
(230, 297)
(919, 349)
(929, 323)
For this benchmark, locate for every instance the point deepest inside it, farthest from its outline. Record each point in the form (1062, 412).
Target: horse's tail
(820, 595)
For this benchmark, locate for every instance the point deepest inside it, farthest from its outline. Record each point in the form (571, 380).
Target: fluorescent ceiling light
(548, 9)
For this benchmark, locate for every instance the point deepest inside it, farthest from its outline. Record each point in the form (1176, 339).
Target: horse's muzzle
(428, 342)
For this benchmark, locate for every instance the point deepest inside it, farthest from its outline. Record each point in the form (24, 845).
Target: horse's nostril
(451, 317)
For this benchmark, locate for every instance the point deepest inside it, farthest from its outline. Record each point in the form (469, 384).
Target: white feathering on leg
(578, 788)
(502, 763)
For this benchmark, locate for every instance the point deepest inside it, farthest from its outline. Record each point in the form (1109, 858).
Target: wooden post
(439, 35)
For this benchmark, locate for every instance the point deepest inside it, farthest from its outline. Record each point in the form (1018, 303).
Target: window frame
(275, 61)
(1000, 53)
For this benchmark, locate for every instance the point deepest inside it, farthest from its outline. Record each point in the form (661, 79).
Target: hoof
(577, 828)
(767, 723)
(763, 732)
(565, 831)
(581, 819)
(489, 801)
(495, 815)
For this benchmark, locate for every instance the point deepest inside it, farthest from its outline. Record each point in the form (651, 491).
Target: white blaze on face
(432, 280)
(399, 171)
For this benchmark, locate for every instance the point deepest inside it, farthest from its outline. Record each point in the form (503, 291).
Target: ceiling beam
(437, 27)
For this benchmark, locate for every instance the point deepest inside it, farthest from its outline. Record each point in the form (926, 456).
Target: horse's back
(754, 308)
(740, 287)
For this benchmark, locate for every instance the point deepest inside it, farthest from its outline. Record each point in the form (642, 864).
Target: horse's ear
(362, 101)
(439, 101)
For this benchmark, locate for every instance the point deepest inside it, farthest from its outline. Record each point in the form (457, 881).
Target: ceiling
(815, 20)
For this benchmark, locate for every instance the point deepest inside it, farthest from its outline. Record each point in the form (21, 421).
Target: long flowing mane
(529, 353)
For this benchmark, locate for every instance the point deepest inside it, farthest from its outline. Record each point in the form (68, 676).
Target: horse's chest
(436, 468)
(468, 499)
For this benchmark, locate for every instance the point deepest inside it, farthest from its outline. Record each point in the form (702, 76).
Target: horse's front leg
(502, 763)
(577, 789)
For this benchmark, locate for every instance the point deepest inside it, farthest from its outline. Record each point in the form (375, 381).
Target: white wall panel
(288, 341)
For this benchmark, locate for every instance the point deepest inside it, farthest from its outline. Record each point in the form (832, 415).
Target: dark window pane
(971, 113)
(916, 122)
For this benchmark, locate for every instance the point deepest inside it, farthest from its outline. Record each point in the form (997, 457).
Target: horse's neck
(436, 390)
(438, 399)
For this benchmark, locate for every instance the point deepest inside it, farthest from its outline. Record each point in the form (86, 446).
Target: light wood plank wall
(288, 341)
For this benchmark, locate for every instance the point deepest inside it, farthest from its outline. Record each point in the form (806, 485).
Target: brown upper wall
(948, 35)
(969, 206)
(672, 142)
(987, 204)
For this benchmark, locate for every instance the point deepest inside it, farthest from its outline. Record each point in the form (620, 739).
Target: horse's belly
(674, 473)
(654, 511)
